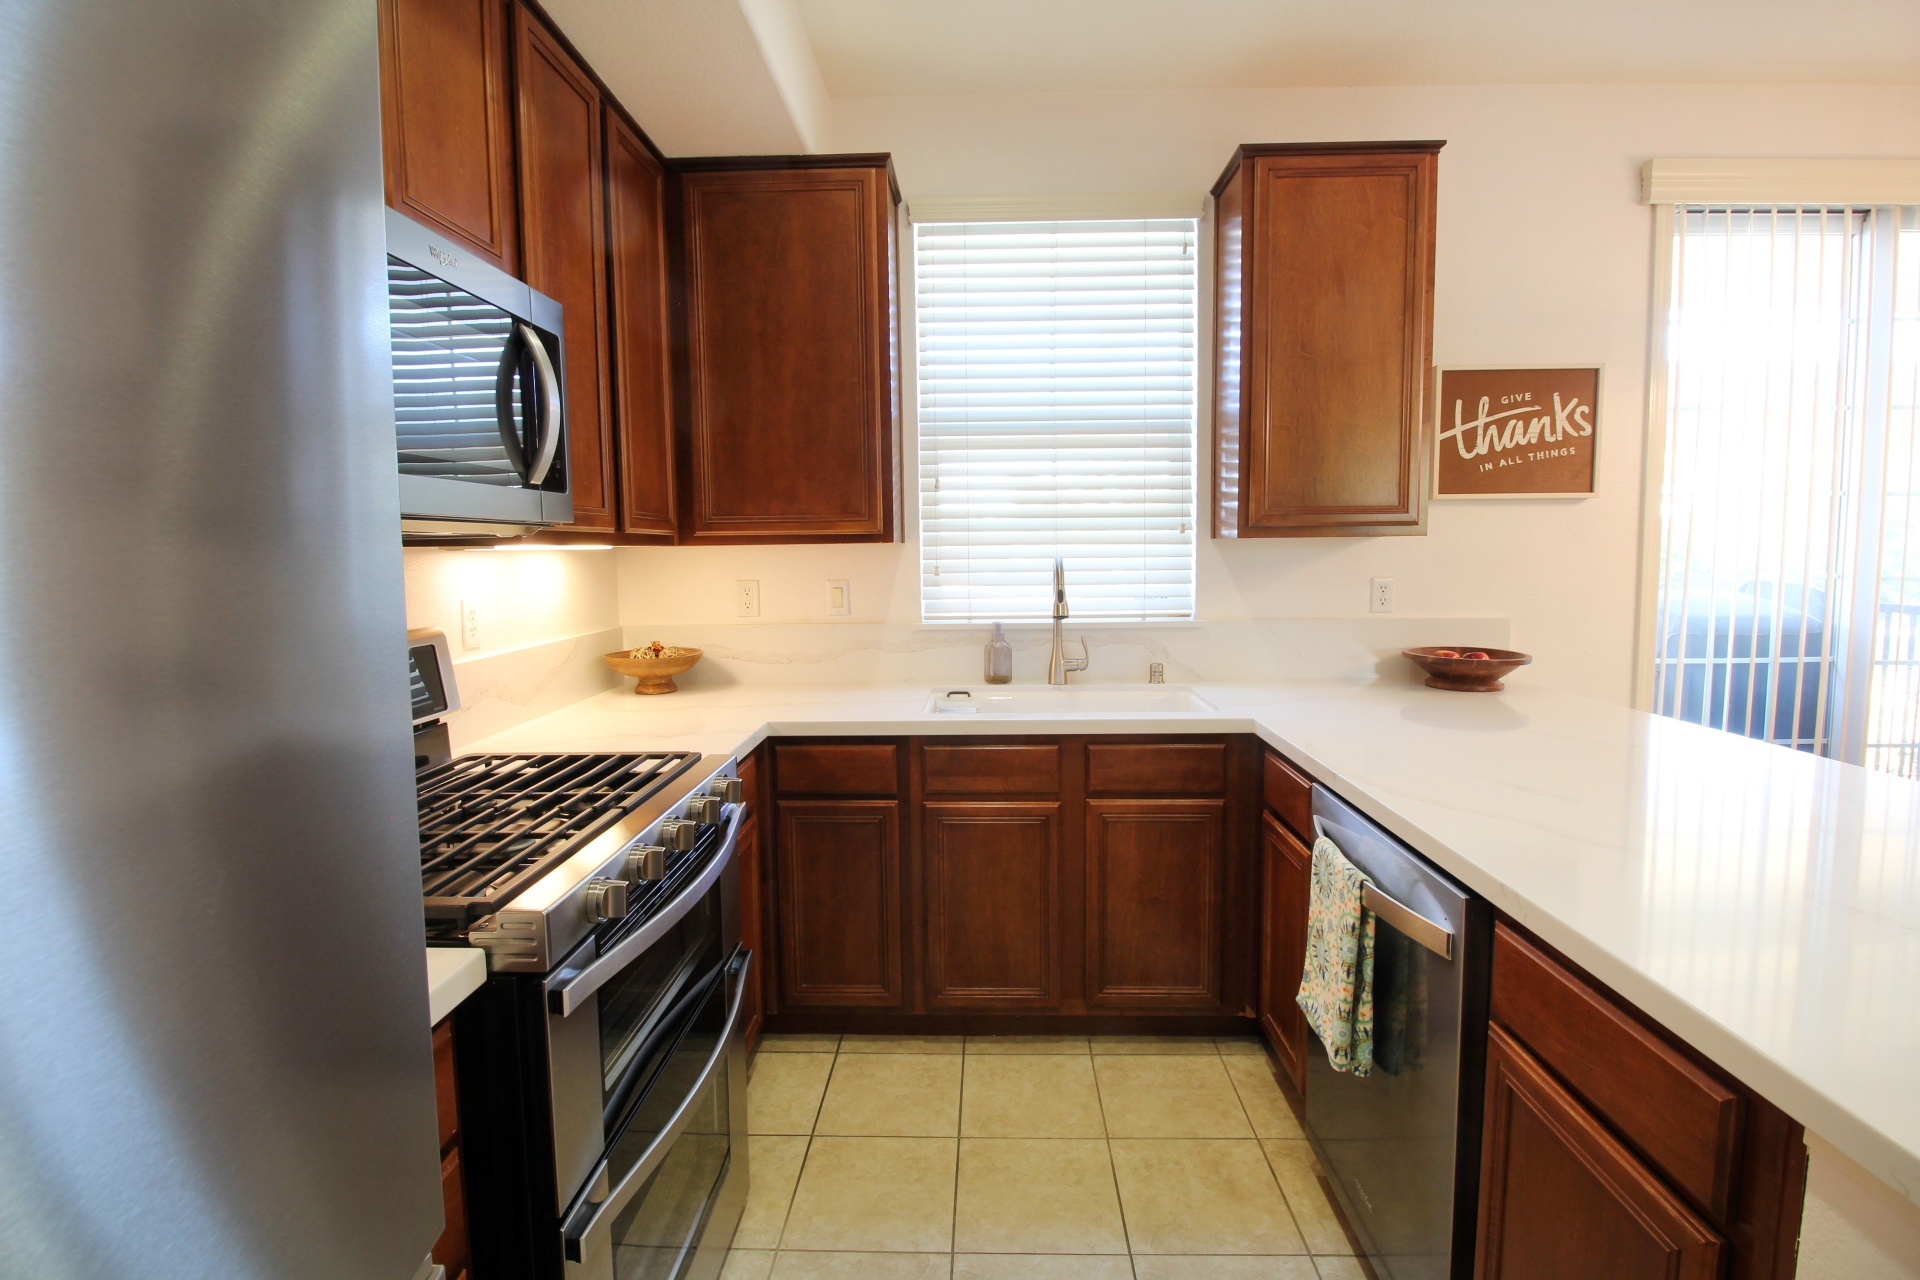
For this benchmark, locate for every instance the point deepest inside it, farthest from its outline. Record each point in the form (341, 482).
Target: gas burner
(490, 825)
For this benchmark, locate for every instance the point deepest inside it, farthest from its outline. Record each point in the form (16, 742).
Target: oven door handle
(588, 1215)
(564, 999)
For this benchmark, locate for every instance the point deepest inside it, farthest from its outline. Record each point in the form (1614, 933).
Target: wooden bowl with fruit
(653, 666)
(1465, 668)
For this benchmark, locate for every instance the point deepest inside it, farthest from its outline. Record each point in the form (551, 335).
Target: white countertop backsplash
(1763, 904)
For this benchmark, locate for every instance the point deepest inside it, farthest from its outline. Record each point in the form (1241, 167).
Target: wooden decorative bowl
(1467, 675)
(653, 675)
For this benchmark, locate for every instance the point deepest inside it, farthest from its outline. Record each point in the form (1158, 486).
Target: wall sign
(1527, 432)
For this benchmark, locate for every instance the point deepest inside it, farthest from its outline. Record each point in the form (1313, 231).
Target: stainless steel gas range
(602, 1069)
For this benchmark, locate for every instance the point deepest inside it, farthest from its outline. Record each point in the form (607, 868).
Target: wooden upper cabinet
(1324, 287)
(564, 249)
(1560, 1196)
(790, 415)
(637, 259)
(446, 126)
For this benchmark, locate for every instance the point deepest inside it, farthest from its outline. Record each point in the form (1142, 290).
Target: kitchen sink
(1043, 700)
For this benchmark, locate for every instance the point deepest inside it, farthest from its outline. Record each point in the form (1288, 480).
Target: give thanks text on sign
(1516, 432)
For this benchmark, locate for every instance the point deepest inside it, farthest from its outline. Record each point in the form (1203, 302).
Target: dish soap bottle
(999, 658)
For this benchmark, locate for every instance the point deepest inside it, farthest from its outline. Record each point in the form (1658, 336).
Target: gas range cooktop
(492, 825)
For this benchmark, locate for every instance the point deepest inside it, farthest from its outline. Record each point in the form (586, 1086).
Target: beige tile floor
(1029, 1158)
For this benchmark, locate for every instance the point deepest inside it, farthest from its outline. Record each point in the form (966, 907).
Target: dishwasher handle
(1436, 938)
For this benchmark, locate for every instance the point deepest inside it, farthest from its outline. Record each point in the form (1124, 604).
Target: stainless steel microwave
(479, 393)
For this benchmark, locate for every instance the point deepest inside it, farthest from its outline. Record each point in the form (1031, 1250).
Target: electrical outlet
(1381, 595)
(469, 625)
(839, 599)
(746, 598)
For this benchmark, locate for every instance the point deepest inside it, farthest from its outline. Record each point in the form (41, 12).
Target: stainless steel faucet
(1059, 664)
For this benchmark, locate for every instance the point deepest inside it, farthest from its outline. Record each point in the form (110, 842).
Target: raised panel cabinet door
(564, 246)
(1287, 876)
(637, 262)
(838, 863)
(1560, 1196)
(446, 123)
(790, 417)
(1156, 913)
(1325, 271)
(993, 903)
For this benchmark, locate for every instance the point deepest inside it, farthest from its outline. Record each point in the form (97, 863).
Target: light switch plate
(839, 599)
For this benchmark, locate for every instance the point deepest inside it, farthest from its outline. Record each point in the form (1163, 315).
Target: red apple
(1446, 653)
(1479, 654)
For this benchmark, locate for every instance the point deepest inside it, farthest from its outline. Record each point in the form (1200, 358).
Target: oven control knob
(606, 899)
(678, 833)
(646, 863)
(705, 809)
(731, 790)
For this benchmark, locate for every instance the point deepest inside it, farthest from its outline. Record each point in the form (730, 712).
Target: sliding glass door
(1787, 604)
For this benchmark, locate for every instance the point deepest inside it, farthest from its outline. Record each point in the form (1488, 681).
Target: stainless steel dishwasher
(1401, 1147)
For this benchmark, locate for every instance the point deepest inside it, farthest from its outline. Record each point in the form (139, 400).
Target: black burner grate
(490, 825)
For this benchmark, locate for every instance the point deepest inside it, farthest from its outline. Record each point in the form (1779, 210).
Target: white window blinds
(1056, 373)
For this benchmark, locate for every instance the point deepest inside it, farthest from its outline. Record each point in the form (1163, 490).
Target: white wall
(1544, 256)
(525, 597)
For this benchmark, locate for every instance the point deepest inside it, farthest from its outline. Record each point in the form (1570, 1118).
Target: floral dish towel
(1336, 986)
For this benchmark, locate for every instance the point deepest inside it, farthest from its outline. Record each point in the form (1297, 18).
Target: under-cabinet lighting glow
(559, 546)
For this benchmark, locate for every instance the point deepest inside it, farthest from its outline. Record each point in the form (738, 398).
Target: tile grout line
(959, 1127)
(1261, 1143)
(1106, 1136)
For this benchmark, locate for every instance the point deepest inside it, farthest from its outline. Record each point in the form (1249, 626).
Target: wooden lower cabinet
(1560, 1196)
(452, 1249)
(1156, 908)
(839, 910)
(993, 904)
(1286, 873)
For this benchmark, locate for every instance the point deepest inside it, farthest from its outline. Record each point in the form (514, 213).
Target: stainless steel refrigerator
(214, 1056)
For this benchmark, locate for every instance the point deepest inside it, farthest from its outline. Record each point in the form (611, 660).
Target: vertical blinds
(1056, 409)
(1787, 603)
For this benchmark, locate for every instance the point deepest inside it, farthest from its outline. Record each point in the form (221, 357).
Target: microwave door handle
(510, 356)
(549, 405)
(589, 1214)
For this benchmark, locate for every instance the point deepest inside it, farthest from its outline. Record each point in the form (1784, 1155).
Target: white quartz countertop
(1761, 903)
(453, 974)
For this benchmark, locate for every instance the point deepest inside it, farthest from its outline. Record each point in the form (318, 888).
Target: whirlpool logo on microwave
(442, 257)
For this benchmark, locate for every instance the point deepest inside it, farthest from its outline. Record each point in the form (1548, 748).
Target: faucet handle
(1079, 663)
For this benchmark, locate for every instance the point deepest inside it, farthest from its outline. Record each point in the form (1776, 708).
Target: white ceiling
(887, 47)
(692, 72)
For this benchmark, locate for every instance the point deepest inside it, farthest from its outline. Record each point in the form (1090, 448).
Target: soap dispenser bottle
(999, 658)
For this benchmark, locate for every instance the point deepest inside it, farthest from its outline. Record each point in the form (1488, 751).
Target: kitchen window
(1056, 412)
(1786, 584)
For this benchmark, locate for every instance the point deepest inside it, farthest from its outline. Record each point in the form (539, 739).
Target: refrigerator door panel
(214, 1051)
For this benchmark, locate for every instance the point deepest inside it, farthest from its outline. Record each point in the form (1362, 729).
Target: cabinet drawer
(1685, 1122)
(855, 769)
(1012, 770)
(1289, 793)
(1143, 768)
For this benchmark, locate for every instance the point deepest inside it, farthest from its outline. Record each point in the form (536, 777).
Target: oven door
(664, 1202)
(616, 1006)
